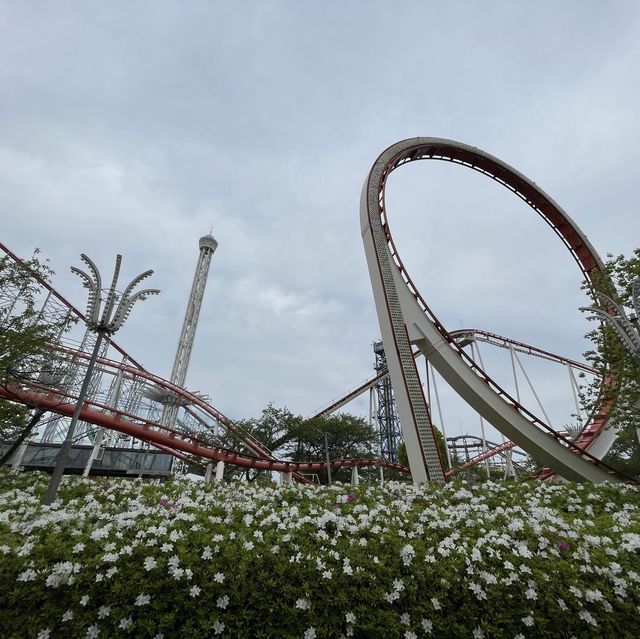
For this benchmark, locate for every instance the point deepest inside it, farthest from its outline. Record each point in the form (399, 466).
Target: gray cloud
(135, 128)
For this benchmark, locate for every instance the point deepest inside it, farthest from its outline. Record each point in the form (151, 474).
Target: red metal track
(457, 334)
(166, 439)
(173, 440)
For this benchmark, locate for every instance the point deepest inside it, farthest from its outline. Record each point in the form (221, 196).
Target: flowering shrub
(126, 558)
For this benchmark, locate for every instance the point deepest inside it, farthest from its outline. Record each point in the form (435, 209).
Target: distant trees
(24, 336)
(608, 348)
(292, 437)
(346, 437)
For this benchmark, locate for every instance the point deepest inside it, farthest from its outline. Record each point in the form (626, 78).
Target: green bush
(126, 558)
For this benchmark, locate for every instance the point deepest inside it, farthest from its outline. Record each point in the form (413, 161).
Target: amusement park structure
(406, 320)
(139, 408)
(386, 414)
(208, 245)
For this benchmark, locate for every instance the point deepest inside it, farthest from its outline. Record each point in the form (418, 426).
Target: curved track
(405, 320)
(474, 334)
(458, 335)
(169, 439)
(62, 402)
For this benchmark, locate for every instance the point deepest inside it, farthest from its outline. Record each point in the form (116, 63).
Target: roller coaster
(121, 401)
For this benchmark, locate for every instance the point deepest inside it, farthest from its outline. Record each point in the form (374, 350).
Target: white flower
(142, 600)
(427, 626)
(327, 574)
(218, 627)
(593, 595)
(44, 634)
(77, 548)
(310, 633)
(302, 604)
(218, 577)
(125, 623)
(531, 594)
(150, 563)
(478, 633)
(435, 603)
(223, 602)
(350, 617)
(410, 635)
(407, 553)
(84, 600)
(68, 616)
(103, 611)
(93, 632)
(586, 616)
(562, 604)
(206, 553)
(195, 591)
(528, 621)
(405, 618)
(398, 584)
(477, 591)
(27, 575)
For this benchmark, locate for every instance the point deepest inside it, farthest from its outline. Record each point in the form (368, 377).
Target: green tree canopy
(607, 350)
(24, 335)
(290, 436)
(345, 436)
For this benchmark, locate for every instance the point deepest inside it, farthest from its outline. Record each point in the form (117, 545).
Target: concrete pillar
(355, 478)
(95, 451)
(288, 479)
(18, 455)
(219, 471)
(208, 472)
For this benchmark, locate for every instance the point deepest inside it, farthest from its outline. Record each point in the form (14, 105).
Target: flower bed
(126, 558)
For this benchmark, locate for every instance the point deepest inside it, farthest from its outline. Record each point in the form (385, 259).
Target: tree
(24, 338)
(345, 437)
(290, 436)
(610, 357)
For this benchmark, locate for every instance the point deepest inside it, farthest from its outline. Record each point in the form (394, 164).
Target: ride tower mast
(390, 432)
(208, 244)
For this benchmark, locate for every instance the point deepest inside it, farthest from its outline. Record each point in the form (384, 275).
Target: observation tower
(208, 244)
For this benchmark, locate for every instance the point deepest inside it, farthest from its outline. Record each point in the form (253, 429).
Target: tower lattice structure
(208, 245)
(387, 418)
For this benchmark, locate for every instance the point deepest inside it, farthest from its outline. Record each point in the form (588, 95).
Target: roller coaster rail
(406, 319)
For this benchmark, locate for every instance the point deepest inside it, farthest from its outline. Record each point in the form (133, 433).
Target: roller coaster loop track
(406, 321)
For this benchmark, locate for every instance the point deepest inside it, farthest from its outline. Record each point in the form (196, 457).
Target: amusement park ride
(135, 422)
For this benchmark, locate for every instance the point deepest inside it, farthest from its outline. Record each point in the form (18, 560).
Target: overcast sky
(135, 128)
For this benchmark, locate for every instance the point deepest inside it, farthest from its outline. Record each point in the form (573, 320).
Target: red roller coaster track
(170, 440)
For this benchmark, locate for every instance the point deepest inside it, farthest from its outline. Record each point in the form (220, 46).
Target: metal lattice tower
(386, 414)
(208, 245)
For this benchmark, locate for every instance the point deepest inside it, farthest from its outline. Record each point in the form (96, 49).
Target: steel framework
(387, 420)
(207, 245)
